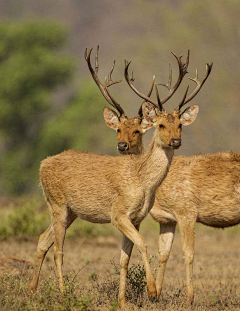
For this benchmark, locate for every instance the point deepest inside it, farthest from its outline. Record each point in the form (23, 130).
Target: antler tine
(129, 82)
(184, 97)
(96, 61)
(108, 79)
(149, 94)
(182, 71)
(198, 83)
(158, 98)
(168, 85)
(103, 88)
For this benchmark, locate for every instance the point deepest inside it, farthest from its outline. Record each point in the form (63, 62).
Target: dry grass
(91, 274)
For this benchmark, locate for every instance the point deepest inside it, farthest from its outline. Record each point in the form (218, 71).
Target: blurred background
(50, 103)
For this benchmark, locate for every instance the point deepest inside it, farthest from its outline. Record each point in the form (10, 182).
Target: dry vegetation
(91, 265)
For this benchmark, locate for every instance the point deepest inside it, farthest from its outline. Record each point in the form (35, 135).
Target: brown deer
(129, 135)
(104, 189)
(195, 196)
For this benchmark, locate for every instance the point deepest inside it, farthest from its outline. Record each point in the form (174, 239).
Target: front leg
(124, 224)
(165, 241)
(127, 246)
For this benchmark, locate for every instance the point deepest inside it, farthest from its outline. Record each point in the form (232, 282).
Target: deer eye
(161, 126)
(118, 130)
(180, 126)
(137, 132)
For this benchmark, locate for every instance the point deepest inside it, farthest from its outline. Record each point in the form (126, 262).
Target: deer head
(169, 125)
(129, 130)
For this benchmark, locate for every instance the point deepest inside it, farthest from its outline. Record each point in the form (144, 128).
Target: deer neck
(153, 165)
(139, 148)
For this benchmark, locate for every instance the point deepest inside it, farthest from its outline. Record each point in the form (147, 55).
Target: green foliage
(30, 68)
(78, 126)
(136, 278)
(28, 218)
(114, 306)
(23, 221)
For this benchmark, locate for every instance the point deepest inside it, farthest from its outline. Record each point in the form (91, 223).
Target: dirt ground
(216, 267)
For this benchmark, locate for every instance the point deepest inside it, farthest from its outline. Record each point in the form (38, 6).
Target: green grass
(14, 295)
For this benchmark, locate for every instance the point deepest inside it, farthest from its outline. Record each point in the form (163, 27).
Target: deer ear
(189, 115)
(111, 118)
(149, 116)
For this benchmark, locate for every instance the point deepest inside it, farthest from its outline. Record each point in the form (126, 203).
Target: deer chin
(173, 147)
(123, 152)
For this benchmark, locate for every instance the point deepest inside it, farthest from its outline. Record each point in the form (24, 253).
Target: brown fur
(103, 189)
(204, 188)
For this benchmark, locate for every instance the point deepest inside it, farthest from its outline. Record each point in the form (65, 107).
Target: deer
(191, 191)
(109, 189)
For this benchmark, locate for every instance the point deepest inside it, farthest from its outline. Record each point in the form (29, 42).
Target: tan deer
(129, 134)
(191, 192)
(104, 189)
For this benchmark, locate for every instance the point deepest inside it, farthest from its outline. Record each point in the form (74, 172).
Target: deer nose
(175, 143)
(122, 146)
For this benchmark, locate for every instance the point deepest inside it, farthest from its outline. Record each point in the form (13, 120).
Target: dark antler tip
(127, 63)
(209, 68)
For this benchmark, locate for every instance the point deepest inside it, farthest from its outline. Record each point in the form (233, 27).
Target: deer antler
(183, 66)
(129, 82)
(198, 87)
(108, 80)
(182, 71)
(149, 94)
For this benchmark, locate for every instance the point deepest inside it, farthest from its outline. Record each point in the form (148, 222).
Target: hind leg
(60, 221)
(187, 232)
(165, 241)
(45, 241)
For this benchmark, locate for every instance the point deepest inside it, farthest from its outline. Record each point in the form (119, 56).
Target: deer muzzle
(122, 146)
(175, 143)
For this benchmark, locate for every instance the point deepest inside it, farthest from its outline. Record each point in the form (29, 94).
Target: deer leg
(127, 246)
(45, 242)
(187, 232)
(165, 241)
(127, 228)
(60, 224)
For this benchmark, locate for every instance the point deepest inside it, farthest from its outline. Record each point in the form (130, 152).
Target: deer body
(207, 187)
(90, 184)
